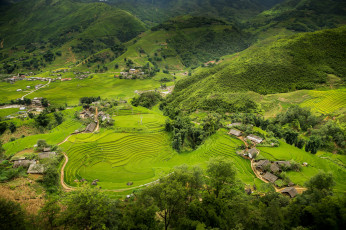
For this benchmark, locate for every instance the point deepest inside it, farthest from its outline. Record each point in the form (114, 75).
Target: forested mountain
(300, 62)
(302, 15)
(164, 9)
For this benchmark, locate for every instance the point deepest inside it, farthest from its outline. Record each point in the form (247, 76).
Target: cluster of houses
(33, 166)
(88, 114)
(138, 73)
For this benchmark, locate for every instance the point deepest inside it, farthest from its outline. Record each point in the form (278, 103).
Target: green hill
(299, 62)
(63, 30)
(302, 15)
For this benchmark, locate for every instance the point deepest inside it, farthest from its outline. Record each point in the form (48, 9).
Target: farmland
(320, 161)
(54, 136)
(138, 150)
(104, 85)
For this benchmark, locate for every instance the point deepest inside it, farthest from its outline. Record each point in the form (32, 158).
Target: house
(86, 114)
(22, 108)
(290, 191)
(91, 127)
(36, 169)
(253, 152)
(235, 132)
(274, 167)
(46, 155)
(262, 164)
(254, 138)
(133, 71)
(28, 87)
(285, 164)
(18, 90)
(23, 163)
(270, 177)
(46, 149)
(234, 124)
(37, 101)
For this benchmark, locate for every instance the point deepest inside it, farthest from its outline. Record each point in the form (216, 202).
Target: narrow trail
(36, 90)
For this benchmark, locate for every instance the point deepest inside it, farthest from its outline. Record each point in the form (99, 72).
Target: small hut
(270, 177)
(235, 132)
(23, 163)
(36, 169)
(290, 191)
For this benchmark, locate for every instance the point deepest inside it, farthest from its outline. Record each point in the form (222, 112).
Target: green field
(141, 153)
(55, 136)
(6, 112)
(320, 162)
(326, 101)
(104, 85)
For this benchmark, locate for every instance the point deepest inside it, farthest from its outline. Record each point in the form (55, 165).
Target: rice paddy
(138, 150)
(326, 101)
(319, 162)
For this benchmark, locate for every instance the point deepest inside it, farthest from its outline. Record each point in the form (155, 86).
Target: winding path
(36, 89)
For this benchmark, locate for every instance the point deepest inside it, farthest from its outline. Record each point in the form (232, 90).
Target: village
(267, 171)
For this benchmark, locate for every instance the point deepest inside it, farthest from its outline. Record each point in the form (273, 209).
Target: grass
(6, 112)
(104, 85)
(319, 162)
(141, 153)
(326, 101)
(53, 137)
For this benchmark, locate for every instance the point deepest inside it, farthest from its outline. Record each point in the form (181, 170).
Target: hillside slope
(299, 62)
(33, 34)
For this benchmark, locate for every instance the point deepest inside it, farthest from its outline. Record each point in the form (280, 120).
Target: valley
(172, 114)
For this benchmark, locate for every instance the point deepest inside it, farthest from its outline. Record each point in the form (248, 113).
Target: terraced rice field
(316, 163)
(140, 153)
(326, 101)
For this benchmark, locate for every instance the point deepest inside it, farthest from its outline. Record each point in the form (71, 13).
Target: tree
(291, 137)
(221, 173)
(88, 208)
(45, 102)
(42, 120)
(313, 144)
(50, 212)
(58, 118)
(11, 215)
(12, 127)
(3, 127)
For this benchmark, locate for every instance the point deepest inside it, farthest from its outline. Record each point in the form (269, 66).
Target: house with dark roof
(254, 138)
(286, 164)
(23, 163)
(235, 132)
(290, 191)
(253, 152)
(274, 168)
(91, 127)
(270, 177)
(262, 164)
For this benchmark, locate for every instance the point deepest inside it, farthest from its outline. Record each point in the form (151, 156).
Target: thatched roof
(45, 155)
(91, 127)
(283, 163)
(291, 191)
(23, 163)
(270, 177)
(234, 124)
(36, 169)
(262, 163)
(274, 167)
(254, 138)
(235, 132)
